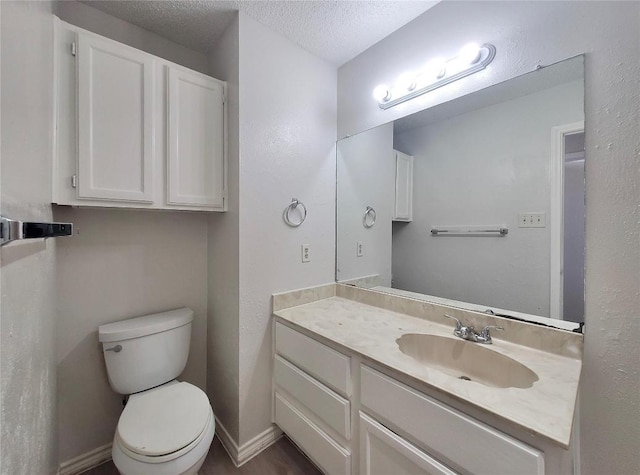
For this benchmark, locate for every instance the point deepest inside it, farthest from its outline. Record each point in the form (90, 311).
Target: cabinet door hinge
(74, 48)
(74, 181)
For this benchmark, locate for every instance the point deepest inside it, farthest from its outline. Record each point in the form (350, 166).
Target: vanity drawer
(329, 407)
(448, 434)
(320, 361)
(383, 452)
(324, 451)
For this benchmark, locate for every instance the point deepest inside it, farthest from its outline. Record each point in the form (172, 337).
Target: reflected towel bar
(470, 230)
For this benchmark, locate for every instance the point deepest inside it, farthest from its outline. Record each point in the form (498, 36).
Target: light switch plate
(359, 249)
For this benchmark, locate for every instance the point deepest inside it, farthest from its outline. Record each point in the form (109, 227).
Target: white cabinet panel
(382, 453)
(320, 361)
(115, 121)
(403, 209)
(474, 447)
(196, 140)
(322, 401)
(323, 450)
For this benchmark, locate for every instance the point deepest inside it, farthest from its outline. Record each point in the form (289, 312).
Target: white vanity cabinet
(403, 207)
(458, 440)
(385, 452)
(312, 391)
(134, 130)
(378, 425)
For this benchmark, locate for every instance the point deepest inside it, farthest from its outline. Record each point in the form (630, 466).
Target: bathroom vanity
(370, 383)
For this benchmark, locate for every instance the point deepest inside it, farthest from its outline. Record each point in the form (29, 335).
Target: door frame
(556, 214)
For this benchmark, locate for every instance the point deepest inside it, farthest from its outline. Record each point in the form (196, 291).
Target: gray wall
(223, 328)
(526, 34)
(89, 18)
(366, 177)
(287, 149)
(27, 273)
(121, 264)
(483, 168)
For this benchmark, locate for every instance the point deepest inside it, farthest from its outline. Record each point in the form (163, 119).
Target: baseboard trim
(239, 455)
(86, 461)
(227, 441)
(242, 454)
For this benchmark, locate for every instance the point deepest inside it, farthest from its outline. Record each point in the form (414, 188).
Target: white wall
(223, 329)
(121, 264)
(483, 168)
(27, 345)
(287, 138)
(527, 34)
(89, 18)
(366, 177)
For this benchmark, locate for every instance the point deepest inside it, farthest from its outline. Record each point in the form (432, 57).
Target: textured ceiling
(334, 30)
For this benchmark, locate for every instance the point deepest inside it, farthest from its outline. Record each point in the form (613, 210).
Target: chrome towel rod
(470, 230)
(13, 230)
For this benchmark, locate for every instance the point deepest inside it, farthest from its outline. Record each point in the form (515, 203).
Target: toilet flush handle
(117, 349)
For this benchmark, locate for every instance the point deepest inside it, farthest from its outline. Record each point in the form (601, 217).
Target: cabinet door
(115, 121)
(196, 169)
(383, 452)
(403, 210)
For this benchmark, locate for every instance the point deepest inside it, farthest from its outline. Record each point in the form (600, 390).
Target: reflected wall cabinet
(403, 209)
(134, 130)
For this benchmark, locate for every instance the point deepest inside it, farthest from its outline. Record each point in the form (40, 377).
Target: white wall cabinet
(350, 418)
(134, 130)
(115, 121)
(196, 135)
(403, 208)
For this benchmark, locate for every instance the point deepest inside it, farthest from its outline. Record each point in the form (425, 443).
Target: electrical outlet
(306, 253)
(359, 249)
(532, 220)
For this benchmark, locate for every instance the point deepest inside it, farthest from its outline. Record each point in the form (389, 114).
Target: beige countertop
(546, 408)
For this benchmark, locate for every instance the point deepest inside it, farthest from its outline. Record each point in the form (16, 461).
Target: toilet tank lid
(145, 325)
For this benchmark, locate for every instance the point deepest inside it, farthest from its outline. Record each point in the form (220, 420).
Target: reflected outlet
(532, 220)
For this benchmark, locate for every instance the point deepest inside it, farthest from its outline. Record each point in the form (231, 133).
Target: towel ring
(369, 218)
(287, 217)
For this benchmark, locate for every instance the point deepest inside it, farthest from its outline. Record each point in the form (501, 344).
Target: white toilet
(167, 426)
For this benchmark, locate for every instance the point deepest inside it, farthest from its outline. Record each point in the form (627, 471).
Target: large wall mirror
(476, 203)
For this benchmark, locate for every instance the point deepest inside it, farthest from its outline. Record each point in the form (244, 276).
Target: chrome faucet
(467, 332)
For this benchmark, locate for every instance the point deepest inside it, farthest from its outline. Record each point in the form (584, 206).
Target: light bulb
(435, 70)
(406, 82)
(469, 54)
(381, 93)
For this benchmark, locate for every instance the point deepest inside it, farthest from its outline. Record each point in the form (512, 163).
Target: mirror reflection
(478, 202)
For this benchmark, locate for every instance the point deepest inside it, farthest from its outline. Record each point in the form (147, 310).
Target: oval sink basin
(467, 360)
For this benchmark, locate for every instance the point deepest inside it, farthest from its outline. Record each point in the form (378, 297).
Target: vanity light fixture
(438, 72)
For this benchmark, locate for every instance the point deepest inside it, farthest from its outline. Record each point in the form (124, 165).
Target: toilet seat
(164, 423)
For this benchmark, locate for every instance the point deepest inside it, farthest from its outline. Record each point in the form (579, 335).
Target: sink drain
(464, 378)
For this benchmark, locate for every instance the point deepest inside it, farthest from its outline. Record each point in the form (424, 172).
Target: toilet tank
(147, 351)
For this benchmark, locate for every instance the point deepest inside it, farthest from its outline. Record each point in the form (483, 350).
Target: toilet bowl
(167, 426)
(165, 431)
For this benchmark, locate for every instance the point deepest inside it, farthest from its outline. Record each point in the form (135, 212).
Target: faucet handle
(458, 322)
(489, 327)
(485, 331)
